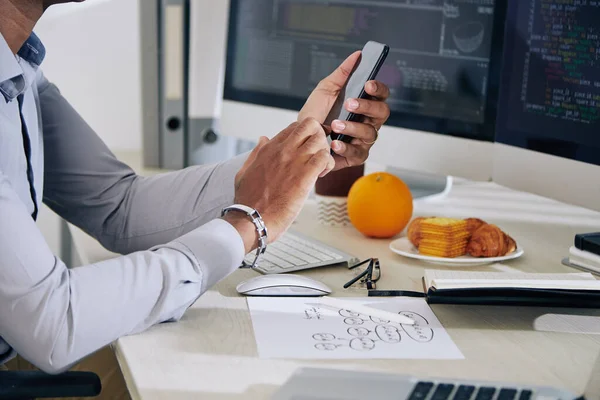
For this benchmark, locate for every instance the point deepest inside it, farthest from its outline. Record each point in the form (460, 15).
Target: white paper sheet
(294, 328)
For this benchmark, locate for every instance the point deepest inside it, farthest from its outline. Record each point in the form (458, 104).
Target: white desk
(211, 352)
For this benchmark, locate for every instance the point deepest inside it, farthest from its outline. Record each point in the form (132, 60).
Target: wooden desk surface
(211, 352)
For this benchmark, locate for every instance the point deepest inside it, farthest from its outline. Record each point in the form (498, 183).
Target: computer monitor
(548, 130)
(442, 70)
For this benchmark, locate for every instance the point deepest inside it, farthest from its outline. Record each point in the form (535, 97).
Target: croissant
(512, 245)
(473, 224)
(414, 231)
(490, 241)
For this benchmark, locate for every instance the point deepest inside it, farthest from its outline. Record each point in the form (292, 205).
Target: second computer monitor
(549, 112)
(441, 69)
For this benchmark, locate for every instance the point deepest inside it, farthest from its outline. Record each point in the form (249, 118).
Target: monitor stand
(423, 185)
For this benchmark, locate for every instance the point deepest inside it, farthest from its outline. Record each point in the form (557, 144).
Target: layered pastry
(443, 237)
(414, 231)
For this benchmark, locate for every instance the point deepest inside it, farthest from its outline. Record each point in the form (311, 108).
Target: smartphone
(371, 59)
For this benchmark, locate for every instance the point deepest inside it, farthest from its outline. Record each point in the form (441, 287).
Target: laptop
(331, 384)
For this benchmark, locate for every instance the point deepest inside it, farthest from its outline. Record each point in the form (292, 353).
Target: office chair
(28, 385)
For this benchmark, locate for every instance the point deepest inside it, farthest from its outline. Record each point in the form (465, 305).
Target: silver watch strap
(258, 222)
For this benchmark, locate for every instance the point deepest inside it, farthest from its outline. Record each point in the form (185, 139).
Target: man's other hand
(278, 177)
(375, 113)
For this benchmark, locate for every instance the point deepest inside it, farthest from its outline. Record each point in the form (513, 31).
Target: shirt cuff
(217, 248)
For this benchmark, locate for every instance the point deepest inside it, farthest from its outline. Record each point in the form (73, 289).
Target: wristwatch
(261, 228)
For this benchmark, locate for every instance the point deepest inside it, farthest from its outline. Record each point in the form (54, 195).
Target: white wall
(93, 57)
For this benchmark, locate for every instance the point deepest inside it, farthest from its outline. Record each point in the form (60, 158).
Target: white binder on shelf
(173, 53)
(208, 42)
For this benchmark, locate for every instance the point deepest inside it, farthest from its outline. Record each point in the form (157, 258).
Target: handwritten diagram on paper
(300, 328)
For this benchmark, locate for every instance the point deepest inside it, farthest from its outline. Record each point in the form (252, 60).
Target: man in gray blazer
(169, 226)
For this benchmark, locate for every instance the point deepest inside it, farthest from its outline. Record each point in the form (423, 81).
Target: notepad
(584, 260)
(443, 280)
(514, 289)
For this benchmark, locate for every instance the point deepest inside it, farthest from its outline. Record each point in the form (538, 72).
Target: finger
(378, 110)
(320, 163)
(378, 90)
(314, 144)
(304, 130)
(330, 165)
(286, 132)
(323, 97)
(357, 130)
(338, 78)
(340, 162)
(354, 154)
(327, 129)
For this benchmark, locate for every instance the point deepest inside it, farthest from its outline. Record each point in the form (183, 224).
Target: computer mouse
(283, 285)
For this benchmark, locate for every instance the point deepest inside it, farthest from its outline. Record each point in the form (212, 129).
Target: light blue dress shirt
(167, 225)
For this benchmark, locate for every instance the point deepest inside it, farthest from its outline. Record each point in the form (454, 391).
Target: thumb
(338, 78)
(323, 97)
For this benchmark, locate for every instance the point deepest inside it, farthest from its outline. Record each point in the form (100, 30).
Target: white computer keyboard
(296, 252)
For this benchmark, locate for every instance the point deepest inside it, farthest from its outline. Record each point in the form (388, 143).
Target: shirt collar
(33, 51)
(12, 76)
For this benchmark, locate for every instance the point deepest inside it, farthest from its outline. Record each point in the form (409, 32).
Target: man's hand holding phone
(280, 173)
(364, 133)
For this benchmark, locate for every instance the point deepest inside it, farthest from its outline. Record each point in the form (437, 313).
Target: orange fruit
(380, 205)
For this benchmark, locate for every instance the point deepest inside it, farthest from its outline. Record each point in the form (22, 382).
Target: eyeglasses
(369, 276)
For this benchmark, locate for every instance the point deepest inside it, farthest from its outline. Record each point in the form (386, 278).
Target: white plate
(405, 248)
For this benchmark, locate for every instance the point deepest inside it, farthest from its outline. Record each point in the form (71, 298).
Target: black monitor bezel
(478, 131)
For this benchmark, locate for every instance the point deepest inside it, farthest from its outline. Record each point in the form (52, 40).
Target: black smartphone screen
(372, 57)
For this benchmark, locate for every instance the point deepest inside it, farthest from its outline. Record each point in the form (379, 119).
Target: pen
(338, 304)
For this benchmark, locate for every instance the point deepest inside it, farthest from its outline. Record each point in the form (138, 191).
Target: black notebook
(517, 289)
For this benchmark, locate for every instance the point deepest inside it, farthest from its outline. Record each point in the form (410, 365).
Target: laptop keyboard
(448, 391)
(464, 392)
(525, 395)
